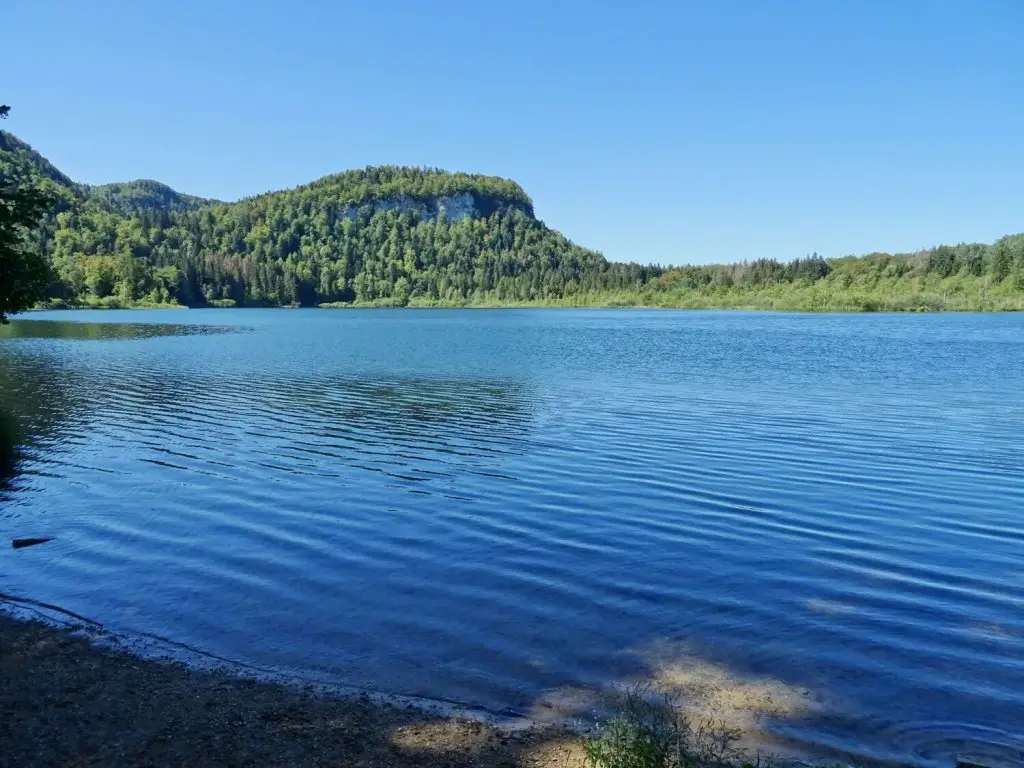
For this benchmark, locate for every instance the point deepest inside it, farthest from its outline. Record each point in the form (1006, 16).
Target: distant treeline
(377, 236)
(971, 276)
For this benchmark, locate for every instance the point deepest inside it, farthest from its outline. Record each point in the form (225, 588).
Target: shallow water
(818, 516)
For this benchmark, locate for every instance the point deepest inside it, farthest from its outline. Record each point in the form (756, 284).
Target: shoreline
(152, 648)
(75, 695)
(839, 310)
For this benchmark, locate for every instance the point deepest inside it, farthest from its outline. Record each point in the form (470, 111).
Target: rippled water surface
(824, 513)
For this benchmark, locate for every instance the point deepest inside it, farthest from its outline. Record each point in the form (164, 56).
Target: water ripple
(489, 507)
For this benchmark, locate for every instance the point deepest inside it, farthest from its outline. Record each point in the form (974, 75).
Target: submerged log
(19, 543)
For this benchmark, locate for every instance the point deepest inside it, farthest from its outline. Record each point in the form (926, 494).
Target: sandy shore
(66, 702)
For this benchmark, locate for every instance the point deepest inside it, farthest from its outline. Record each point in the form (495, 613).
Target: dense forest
(415, 236)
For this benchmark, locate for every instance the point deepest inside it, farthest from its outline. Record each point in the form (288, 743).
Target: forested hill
(416, 236)
(133, 197)
(377, 235)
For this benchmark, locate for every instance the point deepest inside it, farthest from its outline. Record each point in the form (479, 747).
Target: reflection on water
(9, 449)
(517, 510)
(55, 329)
(39, 402)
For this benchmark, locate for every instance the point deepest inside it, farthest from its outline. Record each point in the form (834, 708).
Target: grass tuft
(653, 731)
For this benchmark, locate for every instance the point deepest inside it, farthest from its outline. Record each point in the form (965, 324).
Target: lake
(814, 522)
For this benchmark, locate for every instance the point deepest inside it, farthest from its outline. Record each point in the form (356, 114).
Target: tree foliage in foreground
(23, 270)
(398, 236)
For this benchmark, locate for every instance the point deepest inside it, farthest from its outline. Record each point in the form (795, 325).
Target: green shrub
(655, 732)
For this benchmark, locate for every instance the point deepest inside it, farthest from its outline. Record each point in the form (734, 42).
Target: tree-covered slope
(388, 234)
(133, 197)
(357, 187)
(398, 235)
(15, 152)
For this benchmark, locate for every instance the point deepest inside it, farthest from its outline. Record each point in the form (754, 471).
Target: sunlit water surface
(820, 516)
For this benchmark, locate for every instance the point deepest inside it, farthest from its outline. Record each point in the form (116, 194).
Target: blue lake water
(823, 514)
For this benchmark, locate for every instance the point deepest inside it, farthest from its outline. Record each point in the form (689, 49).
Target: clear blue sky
(652, 131)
